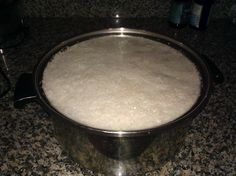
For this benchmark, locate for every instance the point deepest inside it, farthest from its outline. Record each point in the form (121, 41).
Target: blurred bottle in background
(200, 12)
(179, 13)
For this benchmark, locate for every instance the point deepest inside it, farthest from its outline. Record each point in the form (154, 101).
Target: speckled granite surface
(27, 142)
(108, 8)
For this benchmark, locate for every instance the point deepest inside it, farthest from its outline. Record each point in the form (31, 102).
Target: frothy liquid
(121, 83)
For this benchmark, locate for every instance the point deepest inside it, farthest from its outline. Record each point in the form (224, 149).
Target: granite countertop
(27, 142)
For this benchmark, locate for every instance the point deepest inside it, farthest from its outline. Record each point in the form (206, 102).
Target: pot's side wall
(99, 158)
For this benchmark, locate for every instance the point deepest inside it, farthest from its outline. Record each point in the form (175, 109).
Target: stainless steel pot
(119, 152)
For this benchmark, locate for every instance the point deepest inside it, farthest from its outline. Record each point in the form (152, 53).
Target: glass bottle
(179, 13)
(200, 12)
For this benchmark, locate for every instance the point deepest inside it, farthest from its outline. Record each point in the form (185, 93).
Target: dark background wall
(108, 8)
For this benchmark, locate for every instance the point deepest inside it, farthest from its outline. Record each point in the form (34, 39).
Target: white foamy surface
(121, 83)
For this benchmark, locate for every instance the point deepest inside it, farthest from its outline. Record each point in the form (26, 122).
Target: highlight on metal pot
(133, 71)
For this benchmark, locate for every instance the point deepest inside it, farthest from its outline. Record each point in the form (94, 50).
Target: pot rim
(191, 54)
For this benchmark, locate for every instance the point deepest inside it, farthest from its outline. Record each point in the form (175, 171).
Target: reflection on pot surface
(128, 156)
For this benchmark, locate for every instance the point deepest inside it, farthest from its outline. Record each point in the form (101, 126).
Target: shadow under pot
(119, 152)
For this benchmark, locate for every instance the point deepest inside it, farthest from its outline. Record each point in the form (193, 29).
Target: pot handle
(216, 74)
(24, 91)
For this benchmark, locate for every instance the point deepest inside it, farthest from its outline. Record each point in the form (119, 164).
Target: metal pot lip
(194, 111)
